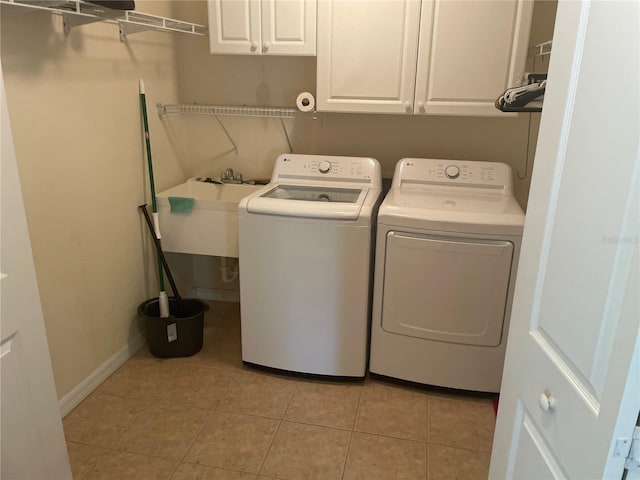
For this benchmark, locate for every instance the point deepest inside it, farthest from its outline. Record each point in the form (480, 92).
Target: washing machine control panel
(452, 171)
(324, 167)
(490, 175)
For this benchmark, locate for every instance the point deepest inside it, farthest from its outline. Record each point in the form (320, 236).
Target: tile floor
(208, 417)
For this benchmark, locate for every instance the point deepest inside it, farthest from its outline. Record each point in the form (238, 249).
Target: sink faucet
(228, 176)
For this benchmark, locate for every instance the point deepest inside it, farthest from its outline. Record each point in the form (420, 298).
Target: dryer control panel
(290, 168)
(492, 176)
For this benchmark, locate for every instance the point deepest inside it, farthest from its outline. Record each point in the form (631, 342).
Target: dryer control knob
(324, 167)
(452, 171)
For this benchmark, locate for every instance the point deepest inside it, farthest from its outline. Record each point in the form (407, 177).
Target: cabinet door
(289, 27)
(470, 52)
(367, 55)
(234, 26)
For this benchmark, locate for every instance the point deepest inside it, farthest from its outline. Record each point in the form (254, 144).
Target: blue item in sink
(181, 204)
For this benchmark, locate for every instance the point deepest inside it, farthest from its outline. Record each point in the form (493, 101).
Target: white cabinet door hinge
(629, 448)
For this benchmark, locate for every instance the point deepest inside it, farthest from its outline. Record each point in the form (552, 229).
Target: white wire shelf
(237, 111)
(79, 12)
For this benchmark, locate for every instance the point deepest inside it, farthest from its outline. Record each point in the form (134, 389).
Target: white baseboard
(99, 375)
(211, 294)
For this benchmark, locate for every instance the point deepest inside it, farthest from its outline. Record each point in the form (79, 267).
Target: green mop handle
(154, 206)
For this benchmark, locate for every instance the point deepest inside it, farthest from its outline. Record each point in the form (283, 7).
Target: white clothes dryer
(305, 261)
(447, 247)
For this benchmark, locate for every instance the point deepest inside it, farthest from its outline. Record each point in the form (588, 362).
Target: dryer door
(446, 289)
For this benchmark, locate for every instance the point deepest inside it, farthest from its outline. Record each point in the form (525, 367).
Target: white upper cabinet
(262, 27)
(420, 57)
(289, 27)
(367, 55)
(469, 53)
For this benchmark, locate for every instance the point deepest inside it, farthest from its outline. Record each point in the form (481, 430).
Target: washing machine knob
(324, 167)
(452, 171)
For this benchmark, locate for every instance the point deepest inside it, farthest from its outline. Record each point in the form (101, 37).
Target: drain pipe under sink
(226, 268)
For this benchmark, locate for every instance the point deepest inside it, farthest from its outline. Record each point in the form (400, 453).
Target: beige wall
(75, 113)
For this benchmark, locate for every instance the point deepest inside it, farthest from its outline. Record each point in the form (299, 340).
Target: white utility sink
(211, 228)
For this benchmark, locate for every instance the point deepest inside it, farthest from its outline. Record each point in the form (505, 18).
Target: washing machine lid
(311, 201)
(452, 210)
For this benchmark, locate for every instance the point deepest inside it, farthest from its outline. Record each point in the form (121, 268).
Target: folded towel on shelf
(181, 204)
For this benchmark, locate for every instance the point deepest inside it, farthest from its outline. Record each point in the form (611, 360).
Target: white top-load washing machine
(447, 246)
(305, 255)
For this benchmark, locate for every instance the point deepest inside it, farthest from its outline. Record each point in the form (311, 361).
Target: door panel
(366, 55)
(16, 417)
(448, 290)
(535, 459)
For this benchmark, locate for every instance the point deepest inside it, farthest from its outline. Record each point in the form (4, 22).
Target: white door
(367, 55)
(572, 370)
(289, 27)
(32, 442)
(470, 52)
(234, 26)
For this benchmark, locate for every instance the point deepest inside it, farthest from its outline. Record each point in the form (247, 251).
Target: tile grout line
(178, 463)
(346, 455)
(114, 450)
(353, 426)
(264, 459)
(126, 427)
(222, 410)
(307, 423)
(148, 455)
(355, 417)
(426, 426)
(473, 450)
(293, 394)
(426, 457)
(196, 436)
(86, 474)
(426, 448)
(390, 437)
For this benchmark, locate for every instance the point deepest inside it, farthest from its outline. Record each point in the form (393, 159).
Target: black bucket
(178, 335)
